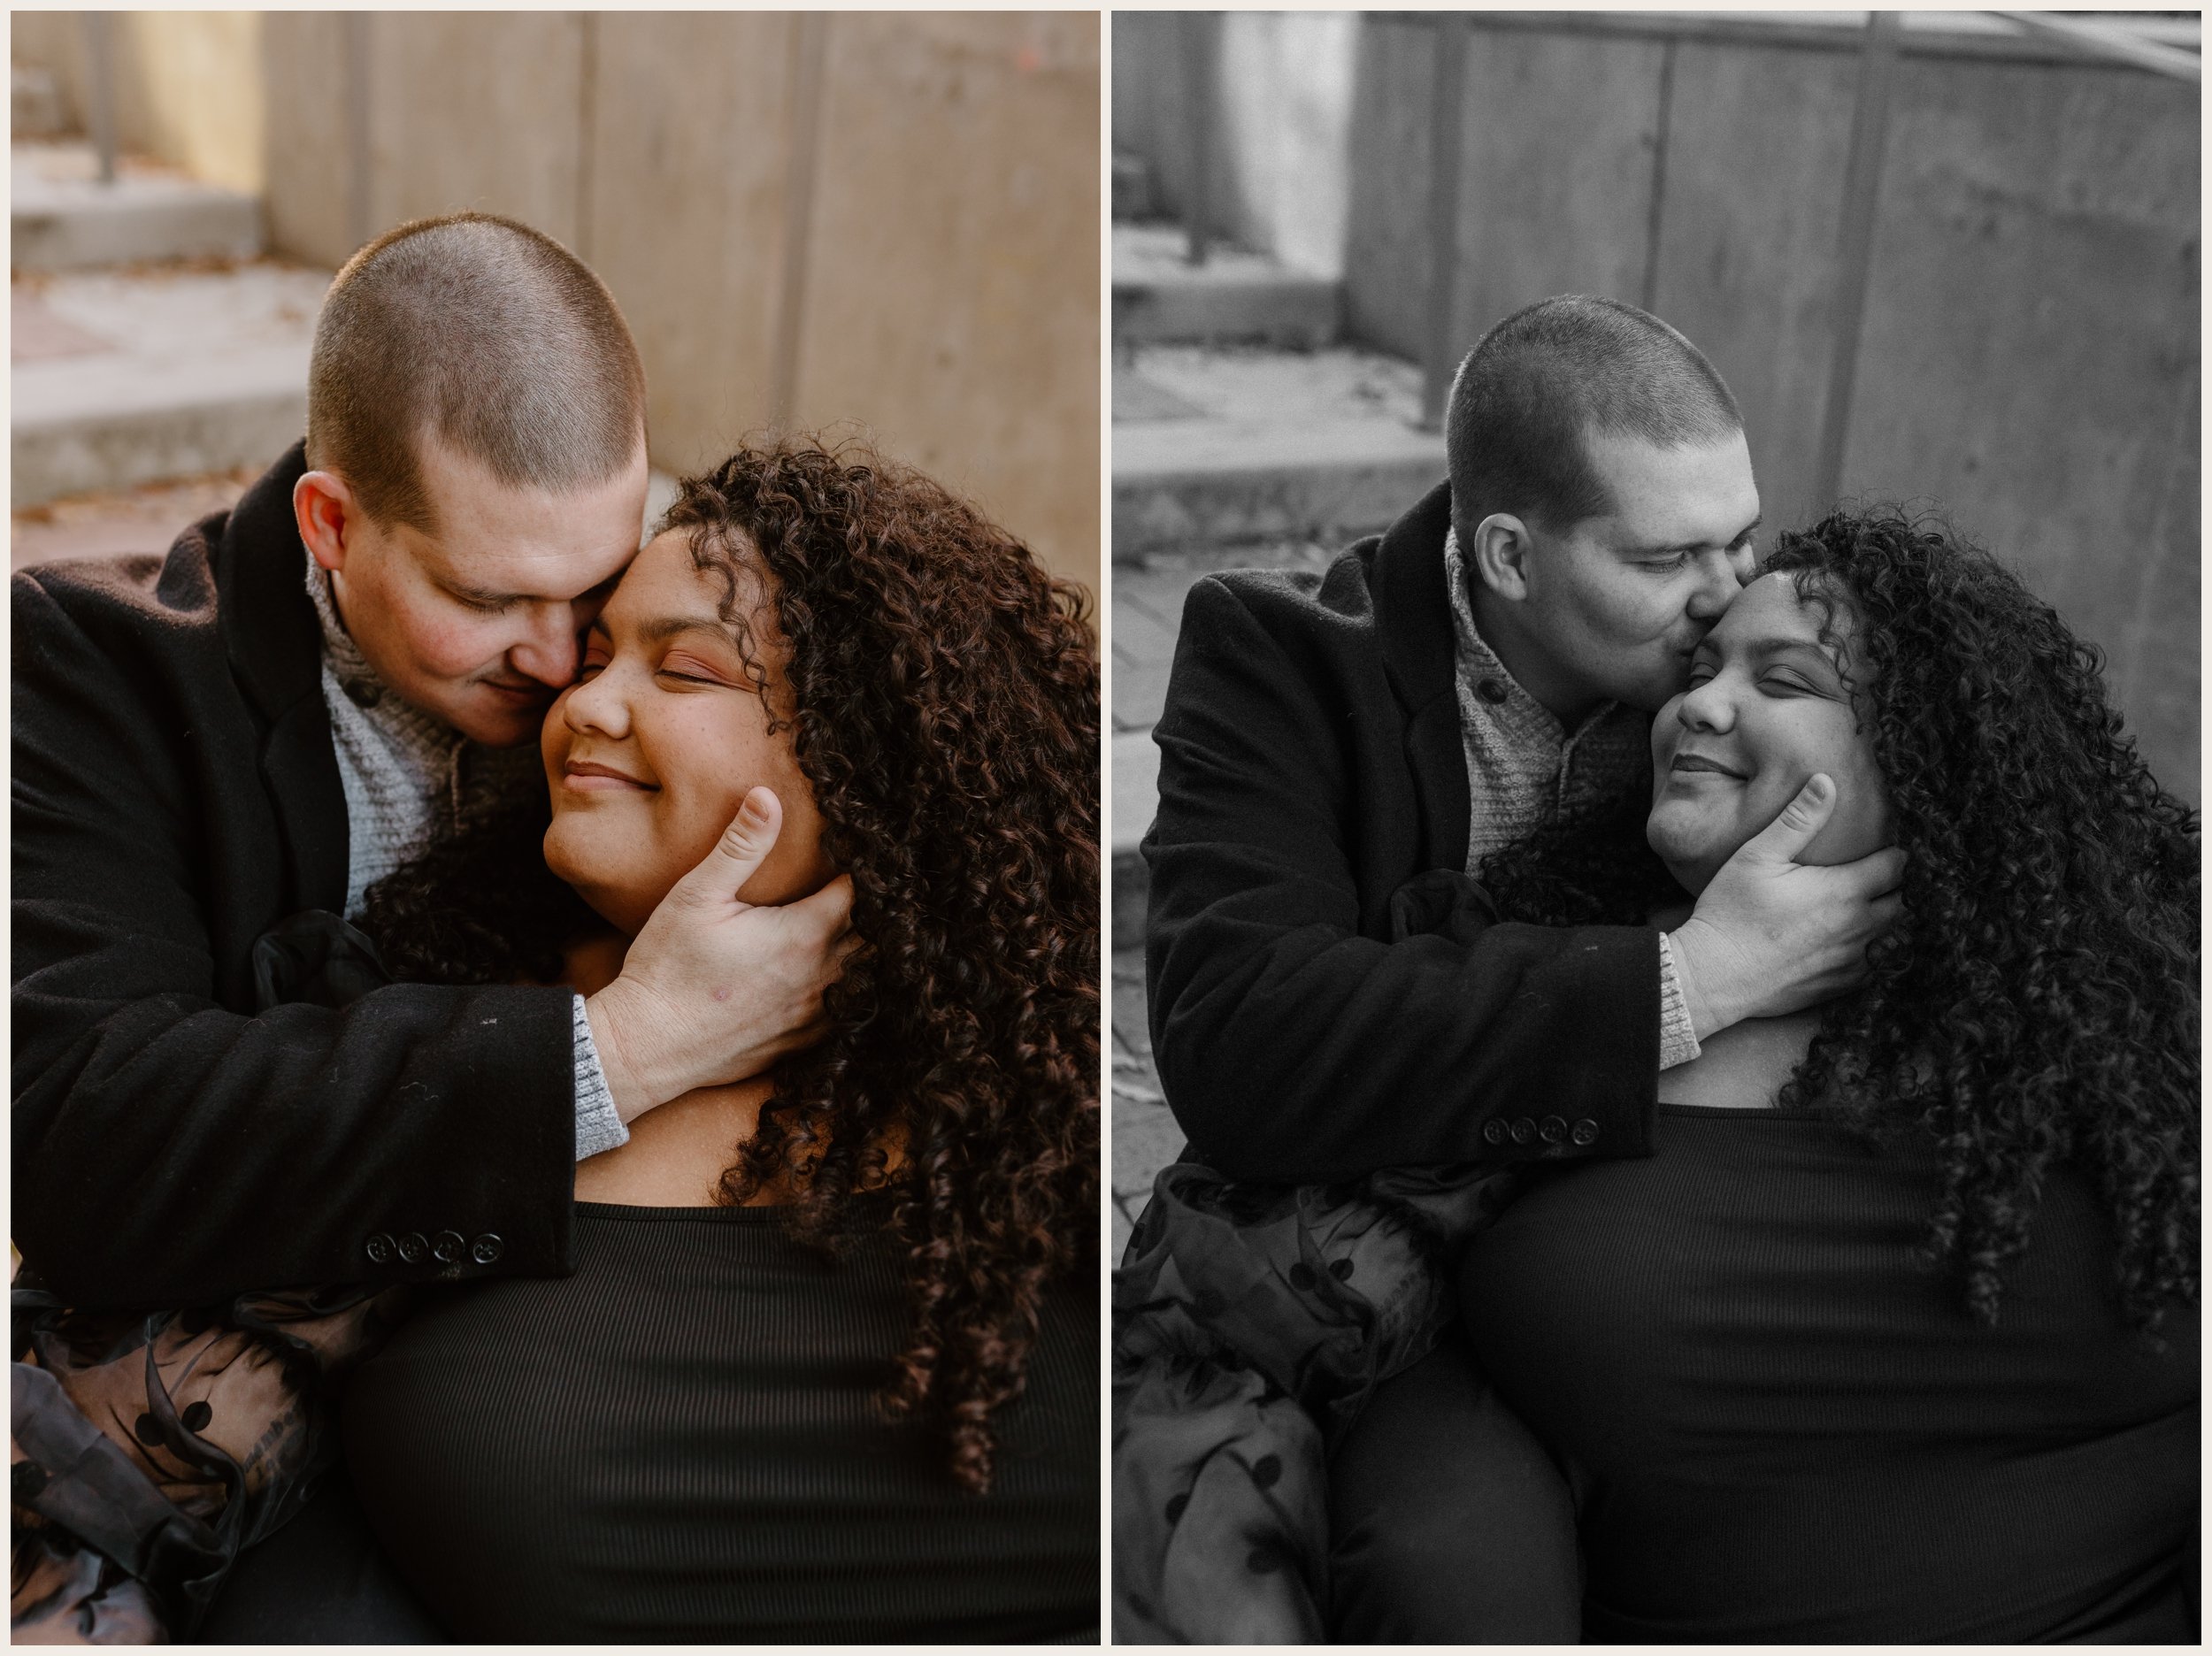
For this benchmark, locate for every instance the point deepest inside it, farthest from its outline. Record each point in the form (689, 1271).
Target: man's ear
(1499, 555)
(328, 516)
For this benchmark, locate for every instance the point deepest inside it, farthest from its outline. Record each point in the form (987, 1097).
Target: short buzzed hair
(1549, 373)
(485, 335)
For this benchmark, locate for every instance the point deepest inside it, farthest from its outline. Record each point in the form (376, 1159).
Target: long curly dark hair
(2037, 1004)
(943, 707)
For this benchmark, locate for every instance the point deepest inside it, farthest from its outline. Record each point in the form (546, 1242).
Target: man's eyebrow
(1743, 534)
(487, 596)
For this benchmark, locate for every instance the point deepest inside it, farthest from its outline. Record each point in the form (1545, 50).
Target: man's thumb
(1781, 839)
(744, 846)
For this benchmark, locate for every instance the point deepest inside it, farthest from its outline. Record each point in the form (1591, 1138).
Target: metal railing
(99, 48)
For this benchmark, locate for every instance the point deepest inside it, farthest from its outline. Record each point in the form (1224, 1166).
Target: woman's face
(1767, 707)
(651, 750)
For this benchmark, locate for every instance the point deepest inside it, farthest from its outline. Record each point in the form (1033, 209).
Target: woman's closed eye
(1787, 683)
(690, 670)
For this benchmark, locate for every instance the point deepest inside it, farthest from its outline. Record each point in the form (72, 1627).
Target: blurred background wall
(888, 218)
(2027, 351)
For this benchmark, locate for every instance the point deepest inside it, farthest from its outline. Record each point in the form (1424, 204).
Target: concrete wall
(885, 220)
(2029, 353)
(1280, 87)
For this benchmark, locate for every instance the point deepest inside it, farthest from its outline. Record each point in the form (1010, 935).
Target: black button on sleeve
(487, 1249)
(380, 1249)
(449, 1248)
(1524, 1130)
(1494, 1132)
(1553, 1129)
(1586, 1131)
(413, 1248)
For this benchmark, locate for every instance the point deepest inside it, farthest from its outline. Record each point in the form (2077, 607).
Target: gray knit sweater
(407, 778)
(1525, 768)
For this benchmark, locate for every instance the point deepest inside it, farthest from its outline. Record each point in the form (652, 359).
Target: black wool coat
(1309, 1025)
(176, 795)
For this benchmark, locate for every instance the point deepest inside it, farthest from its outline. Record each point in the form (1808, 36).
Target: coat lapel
(1414, 623)
(273, 642)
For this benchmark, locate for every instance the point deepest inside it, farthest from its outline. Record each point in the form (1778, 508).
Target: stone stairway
(159, 355)
(1247, 433)
(153, 340)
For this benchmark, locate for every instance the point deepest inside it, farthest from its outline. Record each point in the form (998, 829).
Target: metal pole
(99, 42)
(2101, 40)
(1198, 52)
(359, 224)
(1855, 244)
(1446, 139)
(586, 126)
(810, 51)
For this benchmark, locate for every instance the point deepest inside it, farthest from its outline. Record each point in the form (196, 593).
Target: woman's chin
(624, 897)
(1692, 851)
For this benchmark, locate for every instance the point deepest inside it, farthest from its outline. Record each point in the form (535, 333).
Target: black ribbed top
(681, 1443)
(1783, 1428)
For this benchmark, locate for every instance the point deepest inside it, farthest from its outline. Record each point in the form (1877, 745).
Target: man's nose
(1719, 580)
(548, 654)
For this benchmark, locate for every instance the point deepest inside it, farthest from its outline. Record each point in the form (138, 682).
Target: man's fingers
(1781, 839)
(831, 909)
(1877, 874)
(744, 846)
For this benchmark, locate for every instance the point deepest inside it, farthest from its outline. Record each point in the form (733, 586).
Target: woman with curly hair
(1895, 1337)
(827, 1368)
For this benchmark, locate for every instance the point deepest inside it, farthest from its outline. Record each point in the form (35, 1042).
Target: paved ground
(144, 519)
(1178, 394)
(1148, 605)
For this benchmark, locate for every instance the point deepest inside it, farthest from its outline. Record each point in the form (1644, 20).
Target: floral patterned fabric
(147, 1449)
(1251, 1324)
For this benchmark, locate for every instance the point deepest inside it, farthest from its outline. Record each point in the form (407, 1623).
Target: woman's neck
(1744, 1066)
(676, 1153)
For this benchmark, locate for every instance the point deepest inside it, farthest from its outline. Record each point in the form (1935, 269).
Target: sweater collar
(406, 727)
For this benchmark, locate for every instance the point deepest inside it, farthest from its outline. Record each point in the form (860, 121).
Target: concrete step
(1136, 798)
(1332, 480)
(1235, 296)
(125, 378)
(37, 107)
(118, 523)
(65, 218)
(1216, 445)
(1133, 185)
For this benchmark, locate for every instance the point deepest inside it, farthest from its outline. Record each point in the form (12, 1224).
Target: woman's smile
(648, 753)
(588, 775)
(1769, 704)
(1698, 764)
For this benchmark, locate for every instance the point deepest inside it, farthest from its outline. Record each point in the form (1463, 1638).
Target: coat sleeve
(1293, 1047)
(169, 1151)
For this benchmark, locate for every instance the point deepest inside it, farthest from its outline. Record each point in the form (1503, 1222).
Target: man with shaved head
(1340, 751)
(218, 752)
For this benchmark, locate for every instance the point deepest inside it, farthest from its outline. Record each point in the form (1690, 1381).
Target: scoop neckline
(1725, 1110)
(625, 1210)
(757, 1215)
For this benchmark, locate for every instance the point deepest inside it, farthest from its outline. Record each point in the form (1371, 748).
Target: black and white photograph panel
(556, 877)
(1655, 772)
